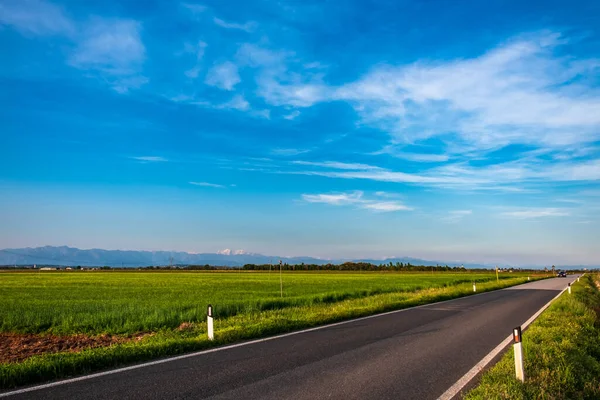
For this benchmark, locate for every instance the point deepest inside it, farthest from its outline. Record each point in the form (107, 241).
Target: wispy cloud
(292, 115)
(460, 175)
(337, 165)
(207, 184)
(36, 17)
(224, 76)
(247, 27)
(113, 48)
(198, 51)
(238, 102)
(536, 213)
(456, 215)
(288, 152)
(149, 158)
(194, 8)
(519, 92)
(522, 92)
(276, 83)
(356, 199)
(108, 49)
(411, 156)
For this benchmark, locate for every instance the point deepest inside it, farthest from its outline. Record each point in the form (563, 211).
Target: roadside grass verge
(561, 352)
(244, 326)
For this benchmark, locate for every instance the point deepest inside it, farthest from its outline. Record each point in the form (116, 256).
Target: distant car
(562, 274)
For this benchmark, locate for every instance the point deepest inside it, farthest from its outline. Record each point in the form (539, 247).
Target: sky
(446, 130)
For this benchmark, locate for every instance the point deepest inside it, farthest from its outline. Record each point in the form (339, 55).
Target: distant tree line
(347, 266)
(355, 266)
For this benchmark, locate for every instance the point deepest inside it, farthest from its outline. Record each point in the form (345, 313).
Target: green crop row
(130, 302)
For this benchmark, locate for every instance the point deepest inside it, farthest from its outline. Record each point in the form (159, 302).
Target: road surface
(416, 353)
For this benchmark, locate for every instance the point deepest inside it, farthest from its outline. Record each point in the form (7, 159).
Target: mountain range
(69, 256)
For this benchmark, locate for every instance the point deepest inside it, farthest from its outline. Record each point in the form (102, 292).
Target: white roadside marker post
(569, 288)
(209, 323)
(518, 349)
(474, 287)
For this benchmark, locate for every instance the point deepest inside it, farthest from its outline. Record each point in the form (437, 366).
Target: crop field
(63, 323)
(129, 302)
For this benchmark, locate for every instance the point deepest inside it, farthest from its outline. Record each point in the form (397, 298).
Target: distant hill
(69, 256)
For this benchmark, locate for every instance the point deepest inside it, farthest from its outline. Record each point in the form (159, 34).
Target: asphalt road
(413, 354)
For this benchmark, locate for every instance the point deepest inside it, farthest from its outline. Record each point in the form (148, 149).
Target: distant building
(48, 269)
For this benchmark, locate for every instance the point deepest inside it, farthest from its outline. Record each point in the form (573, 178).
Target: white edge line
(231, 346)
(462, 382)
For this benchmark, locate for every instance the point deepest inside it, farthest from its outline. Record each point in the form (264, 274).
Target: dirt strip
(16, 347)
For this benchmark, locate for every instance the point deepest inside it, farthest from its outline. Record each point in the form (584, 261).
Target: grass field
(247, 305)
(561, 352)
(128, 302)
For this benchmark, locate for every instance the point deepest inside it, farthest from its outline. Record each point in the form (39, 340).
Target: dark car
(562, 274)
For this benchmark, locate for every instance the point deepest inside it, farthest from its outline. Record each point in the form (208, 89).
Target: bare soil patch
(16, 347)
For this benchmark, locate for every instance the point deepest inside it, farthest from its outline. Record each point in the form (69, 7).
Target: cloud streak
(36, 17)
(356, 199)
(150, 158)
(246, 27)
(207, 184)
(533, 213)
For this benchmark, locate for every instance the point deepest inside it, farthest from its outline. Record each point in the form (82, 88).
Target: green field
(169, 308)
(136, 301)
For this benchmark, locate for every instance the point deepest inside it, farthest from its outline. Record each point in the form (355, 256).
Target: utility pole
(280, 279)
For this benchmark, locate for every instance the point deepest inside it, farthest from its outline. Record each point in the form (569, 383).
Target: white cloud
(536, 213)
(266, 114)
(247, 27)
(193, 72)
(289, 152)
(456, 215)
(198, 51)
(334, 199)
(357, 199)
(386, 206)
(295, 92)
(150, 158)
(113, 48)
(503, 177)
(110, 48)
(292, 115)
(236, 103)
(519, 92)
(411, 156)
(337, 165)
(276, 83)
(194, 8)
(207, 184)
(224, 76)
(35, 17)
(125, 84)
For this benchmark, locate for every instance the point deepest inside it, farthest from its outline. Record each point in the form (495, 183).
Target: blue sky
(461, 130)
